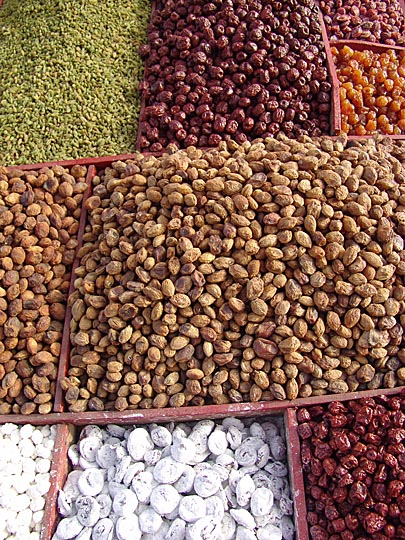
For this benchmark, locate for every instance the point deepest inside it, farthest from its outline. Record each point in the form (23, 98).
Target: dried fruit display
(370, 20)
(26, 453)
(268, 270)
(73, 70)
(372, 90)
(206, 479)
(353, 456)
(39, 221)
(233, 71)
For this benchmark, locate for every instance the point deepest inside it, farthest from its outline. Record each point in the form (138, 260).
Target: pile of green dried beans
(70, 70)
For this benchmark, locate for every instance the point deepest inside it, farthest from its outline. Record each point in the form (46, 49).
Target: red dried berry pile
(379, 22)
(353, 458)
(233, 70)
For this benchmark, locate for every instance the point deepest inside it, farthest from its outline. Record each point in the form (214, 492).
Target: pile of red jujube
(353, 458)
(233, 69)
(370, 20)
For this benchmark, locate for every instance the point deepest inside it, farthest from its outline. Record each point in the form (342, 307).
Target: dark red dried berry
(358, 493)
(331, 512)
(329, 466)
(390, 460)
(322, 450)
(359, 449)
(381, 473)
(316, 467)
(368, 465)
(349, 461)
(337, 408)
(351, 522)
(379, 492)
(338, 525)
(395, 488)
(339, 494)
(373, 522)
(341, 441)
(339, 420)
(381, 509)
(396, 435)
(318, 533)
(304, 430)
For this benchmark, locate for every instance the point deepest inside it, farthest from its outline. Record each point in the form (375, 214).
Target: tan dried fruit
(365, 373)
(289, 345)
(278, 391)
(43, 357)
(328, 362)
(254, 288)
(172, 378)
(265, 348)
(338, 387)
(292, 389)
(279, 267)
(255, 393)
(177, 400)
(195, 374)
(261, 379)
(161, 400)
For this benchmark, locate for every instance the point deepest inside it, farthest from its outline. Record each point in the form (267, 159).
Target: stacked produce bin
(226, 304)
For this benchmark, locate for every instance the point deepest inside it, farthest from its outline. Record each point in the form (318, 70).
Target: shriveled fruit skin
(222, 71)
(270, 270)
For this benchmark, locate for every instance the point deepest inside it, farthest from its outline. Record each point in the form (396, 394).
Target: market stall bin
(41, 209)
(283, 433)
(303, 449)
(375, 22)
(370, 88)
(29, 469)
(188, 104)
(43, 180)
(355, 370)
(351, 455)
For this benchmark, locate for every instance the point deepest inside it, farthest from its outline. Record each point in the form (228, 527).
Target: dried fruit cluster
(233, 70)
(59, 111)
(353, 457)
(39, 221)
(267, 270)
(379, 22)
(372, 97)
(199, 480)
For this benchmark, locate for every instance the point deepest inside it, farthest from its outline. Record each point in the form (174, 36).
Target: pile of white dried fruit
(220, 481)
(25, 462)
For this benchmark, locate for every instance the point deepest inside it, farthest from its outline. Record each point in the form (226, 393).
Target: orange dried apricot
(371, 125)
(368, 90)
(382, 120)
(346, 53)
(382, 101)
(347, 107)
(372, 90)
(395, 106)
(381, 76)
(388, 129)
(360, 130)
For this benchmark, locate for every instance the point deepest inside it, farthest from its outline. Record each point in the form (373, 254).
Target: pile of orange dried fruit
(372, 90)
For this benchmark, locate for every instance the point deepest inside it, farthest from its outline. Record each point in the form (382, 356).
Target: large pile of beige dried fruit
(270, 270)
(70, 75)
